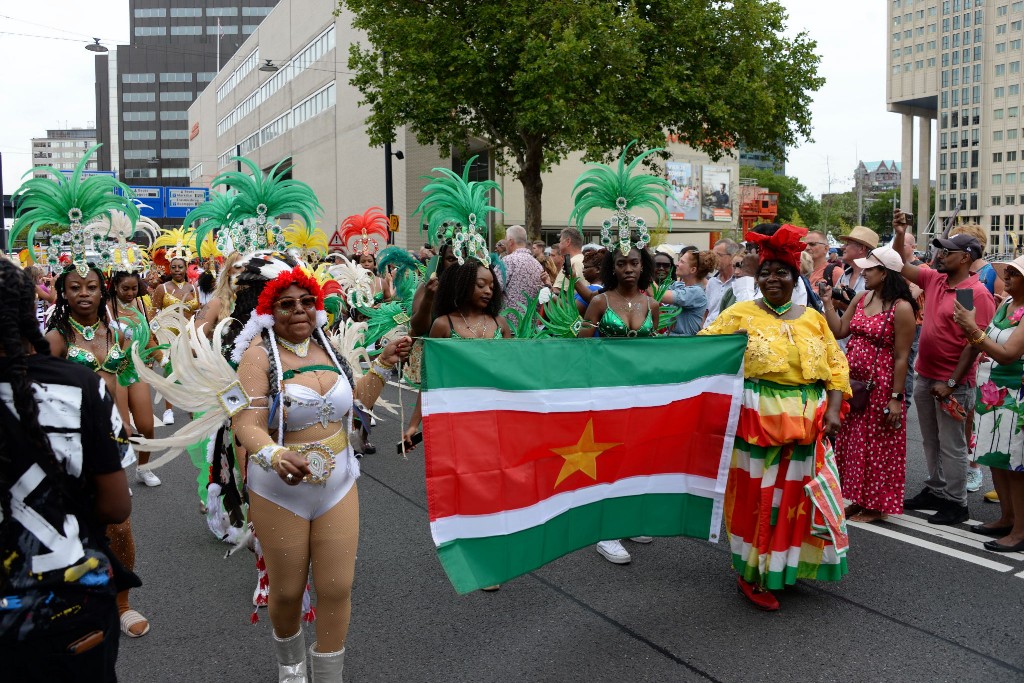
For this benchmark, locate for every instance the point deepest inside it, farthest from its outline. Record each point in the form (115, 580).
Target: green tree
(538, 79)
(878, 210)
(838, 213)
(793, 196)
(797, 220)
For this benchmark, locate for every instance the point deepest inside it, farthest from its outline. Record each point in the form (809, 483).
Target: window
(956, 77)
(974, 201)
(942, 162)
(1000, 69)
(1011, 178)
(186, 12)
(175, 173)
(138, 97)
(140, 173)
(1000, 48)
(997, 178)
(174, 116)
(240, 72)
(997, 135)
(919, 64)
(139, 153)
(186, 30)
(1013, 89)
(140, 135)
(1016, 25)
(1017, 7)
(175, 77)
(974, 180)
(1011, 134)
(174, 135)
(1000, 29)
(222, 11)
(225, 29)
(168, 153)
(139, 116)
(150, 13)
(1015, 44)
(974, 159)
(1015, 67)
(1011, 112)
(138, 78)
(956, 25)
(997, 157)
(313, 105)
(176, 96)
(1001, 11)
(931, 61)
(150, 31)
(249, 28)
(256, 11)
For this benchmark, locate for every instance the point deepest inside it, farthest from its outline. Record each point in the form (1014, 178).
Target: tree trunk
(533, 187)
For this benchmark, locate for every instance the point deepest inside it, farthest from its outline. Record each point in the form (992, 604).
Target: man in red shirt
(946, 365)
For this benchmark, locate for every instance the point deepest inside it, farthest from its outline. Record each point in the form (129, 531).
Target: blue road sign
(150, 200)
(181, 200)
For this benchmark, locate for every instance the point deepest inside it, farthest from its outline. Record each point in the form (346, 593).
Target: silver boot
(326, 666)
(291, 658)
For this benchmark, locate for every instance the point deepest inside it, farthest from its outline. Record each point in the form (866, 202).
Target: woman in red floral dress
(871, 447)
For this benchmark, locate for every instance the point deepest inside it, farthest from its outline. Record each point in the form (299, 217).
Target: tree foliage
(536, 80)
(878, 211)
(794, 198)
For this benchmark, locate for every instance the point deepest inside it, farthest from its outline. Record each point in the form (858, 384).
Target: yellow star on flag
(583, 456)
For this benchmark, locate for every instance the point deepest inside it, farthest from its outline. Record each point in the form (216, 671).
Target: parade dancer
(172, 246)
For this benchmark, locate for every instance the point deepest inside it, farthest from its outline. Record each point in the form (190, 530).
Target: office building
(958, 63)
(288, 97)
(762, 161)
(877, 176)
(63, 149)
(144, 88)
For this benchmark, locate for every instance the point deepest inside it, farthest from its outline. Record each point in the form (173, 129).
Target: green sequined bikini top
(611, 325)
(113, 363)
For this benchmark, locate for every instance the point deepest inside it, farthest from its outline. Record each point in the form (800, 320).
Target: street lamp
(389, 190)
(96, 47)
(269, 67)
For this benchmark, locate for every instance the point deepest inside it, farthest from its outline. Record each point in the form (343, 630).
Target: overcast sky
(48, 81)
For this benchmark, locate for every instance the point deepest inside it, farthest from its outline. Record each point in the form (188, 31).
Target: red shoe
(761, 598)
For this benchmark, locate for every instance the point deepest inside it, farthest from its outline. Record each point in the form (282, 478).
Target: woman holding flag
(783, 506)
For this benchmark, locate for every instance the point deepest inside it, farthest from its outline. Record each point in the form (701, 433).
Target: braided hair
(116, 279)
(61, 319)
(18, 324)
(457, 285)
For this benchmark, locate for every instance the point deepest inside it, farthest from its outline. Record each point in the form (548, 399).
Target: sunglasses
(289, 304)
(946, 252)
(816, 244)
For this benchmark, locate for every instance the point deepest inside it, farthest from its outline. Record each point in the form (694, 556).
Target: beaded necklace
(301, 349)
(781, 310)
(88, 332)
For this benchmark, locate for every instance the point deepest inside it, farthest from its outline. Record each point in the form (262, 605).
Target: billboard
(181, 200)
(684, 200)
(717, 194)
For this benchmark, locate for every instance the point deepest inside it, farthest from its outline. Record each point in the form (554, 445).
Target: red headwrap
(295, 276)
(784, 245)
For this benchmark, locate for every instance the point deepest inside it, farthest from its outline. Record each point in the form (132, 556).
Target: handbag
(862, 390)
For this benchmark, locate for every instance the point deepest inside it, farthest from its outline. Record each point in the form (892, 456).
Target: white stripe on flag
(512, 521)
(577, 400)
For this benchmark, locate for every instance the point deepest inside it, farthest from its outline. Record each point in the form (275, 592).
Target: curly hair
(707, 262)
(611, 282)
(61, 319)
(457, 285)
(18, 324)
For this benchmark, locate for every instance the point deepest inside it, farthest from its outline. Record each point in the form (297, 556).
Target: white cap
(883, 256)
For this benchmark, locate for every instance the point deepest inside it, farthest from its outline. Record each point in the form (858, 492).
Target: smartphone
(965, 297)
(567, 266)
(410, 444)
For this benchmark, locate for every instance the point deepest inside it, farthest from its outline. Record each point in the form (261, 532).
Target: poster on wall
(717, 194)
(684, 199)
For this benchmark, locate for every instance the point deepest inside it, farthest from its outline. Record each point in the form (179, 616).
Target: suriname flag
(536, 448)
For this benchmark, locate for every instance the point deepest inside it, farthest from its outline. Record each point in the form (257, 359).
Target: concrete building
(877, 176)
(144, 89)
(63, 149)
(288, 96)
(958, 62)
(761, 160)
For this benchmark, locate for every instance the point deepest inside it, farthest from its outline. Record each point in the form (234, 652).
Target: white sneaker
(642, 539)
(147, 478)
(168, 418)
(613, 552)
(975, 477)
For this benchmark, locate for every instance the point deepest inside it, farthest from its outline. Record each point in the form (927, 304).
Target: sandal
(852, 509)
(868, 517)
(131, 618)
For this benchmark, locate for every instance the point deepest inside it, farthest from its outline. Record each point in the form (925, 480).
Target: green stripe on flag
(531, 365)
(474, 563)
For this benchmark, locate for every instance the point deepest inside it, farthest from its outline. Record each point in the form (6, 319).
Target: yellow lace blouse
(791, 352)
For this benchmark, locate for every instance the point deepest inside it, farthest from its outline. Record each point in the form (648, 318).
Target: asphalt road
(919, 604)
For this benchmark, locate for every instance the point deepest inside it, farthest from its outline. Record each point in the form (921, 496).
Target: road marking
(947, 533)
(1020, 575)
(928, 545)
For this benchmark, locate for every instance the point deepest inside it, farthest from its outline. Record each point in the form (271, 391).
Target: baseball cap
(883, 256)
(961, 242)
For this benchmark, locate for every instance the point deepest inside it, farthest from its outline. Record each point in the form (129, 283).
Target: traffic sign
(335, 241)
(393, 221)
(151, 201)
(181, 200)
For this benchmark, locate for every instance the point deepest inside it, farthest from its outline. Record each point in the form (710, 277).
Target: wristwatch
(951, 383)
(896, 397)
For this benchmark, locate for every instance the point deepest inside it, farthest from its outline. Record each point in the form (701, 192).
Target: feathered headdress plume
(125, 255)
(259, 199)
(602, 187)
(60, 201)
(365, 233)
(452, 207)
(215, 214)
(308, 240)
(176, 244)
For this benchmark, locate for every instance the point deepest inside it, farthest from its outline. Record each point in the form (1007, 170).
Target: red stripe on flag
(490, 461)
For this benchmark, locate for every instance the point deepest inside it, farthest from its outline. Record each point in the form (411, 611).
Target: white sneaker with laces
(642, 539)
(975, 477)
(613, 552)
(147, 478)
(168, 418)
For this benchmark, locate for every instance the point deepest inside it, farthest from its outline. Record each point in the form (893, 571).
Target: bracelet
(377, 373)
(980, 338)
(268, 457)
(381, 364)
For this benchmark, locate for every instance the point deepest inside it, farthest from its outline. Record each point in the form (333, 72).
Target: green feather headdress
(258, 200)
(602, 187)
(452, 206)
(69, 202)
(215, 214)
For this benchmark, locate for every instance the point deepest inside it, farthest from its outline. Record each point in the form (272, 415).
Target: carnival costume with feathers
(455, 210)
